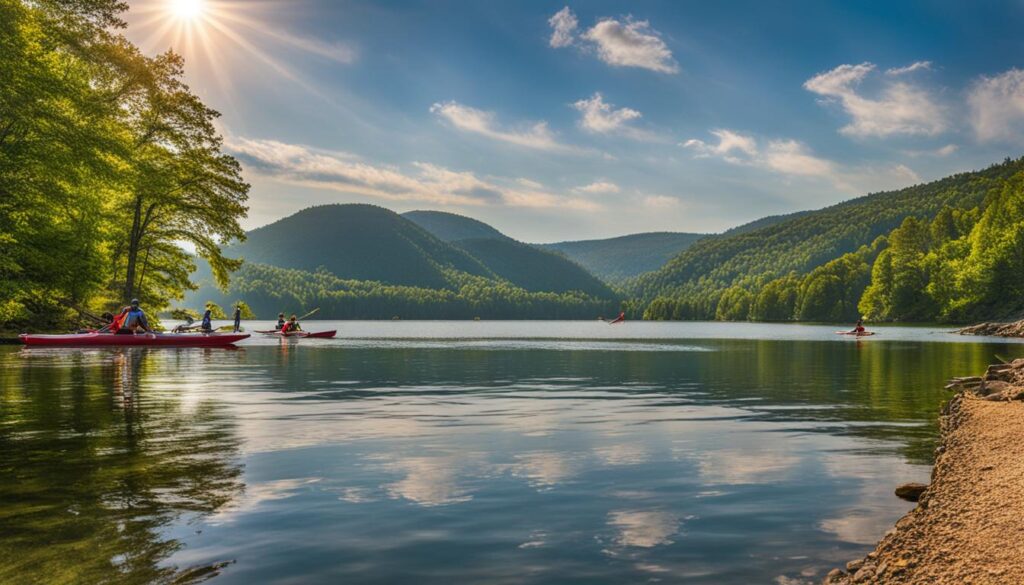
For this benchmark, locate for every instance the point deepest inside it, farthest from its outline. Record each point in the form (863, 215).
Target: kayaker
(238, 318)
(291, 326)
(134, 319)
(207, 325)
(859, 328)
(281, 321)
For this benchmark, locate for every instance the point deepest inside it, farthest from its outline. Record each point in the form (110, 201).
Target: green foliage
(107, 161)
(246, 312)
(833, 253)
(216, 312)
(270, 290)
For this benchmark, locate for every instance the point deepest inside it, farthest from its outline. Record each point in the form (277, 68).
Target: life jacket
(289, 326)
(118, 321)
(133, 317)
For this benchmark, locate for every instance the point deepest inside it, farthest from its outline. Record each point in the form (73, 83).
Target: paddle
(309, 314)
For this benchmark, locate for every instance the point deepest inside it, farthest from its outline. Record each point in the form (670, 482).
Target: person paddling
(238, 318)
(134, 318)
(291, 326)
(859, 328)
(281, 321)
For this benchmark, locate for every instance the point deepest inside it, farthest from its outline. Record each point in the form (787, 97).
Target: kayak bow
(147, 339)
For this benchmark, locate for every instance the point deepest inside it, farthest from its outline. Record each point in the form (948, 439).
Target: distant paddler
(281, 322)
(238, 318)
(292, 326)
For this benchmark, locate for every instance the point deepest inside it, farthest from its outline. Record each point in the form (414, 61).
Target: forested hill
(524, 265)
(364, 261)
(616, 259)
(815, 265)
(359, 242)
(451, 227)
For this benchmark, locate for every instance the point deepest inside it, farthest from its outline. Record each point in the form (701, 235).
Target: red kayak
(145, 339)
(304, 334)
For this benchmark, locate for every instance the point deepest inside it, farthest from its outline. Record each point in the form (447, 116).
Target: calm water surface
(470, 452)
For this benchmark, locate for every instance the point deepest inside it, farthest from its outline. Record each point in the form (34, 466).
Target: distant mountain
(521, 264)
(533, 269)
(625, 256)
(764, 222)
(381, 263)
(451, 227)
(359, 242)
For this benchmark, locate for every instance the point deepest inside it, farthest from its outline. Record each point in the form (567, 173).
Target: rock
(994, 387)
(1017, 364)
(834, 576)
(1019, 395)
(997, 397)
(911, 492)
(852, 566)
(866, 572)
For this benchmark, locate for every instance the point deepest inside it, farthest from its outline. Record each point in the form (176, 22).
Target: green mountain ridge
(812, 265)
(622, 257)
(452, 227)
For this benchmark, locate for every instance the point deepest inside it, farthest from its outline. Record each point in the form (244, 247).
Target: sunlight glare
(187, 9)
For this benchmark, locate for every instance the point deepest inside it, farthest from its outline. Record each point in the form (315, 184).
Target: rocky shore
(968, 526)
(1014, 329)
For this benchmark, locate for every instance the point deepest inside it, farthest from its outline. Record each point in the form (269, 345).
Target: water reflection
(743, 461)
(95, 467)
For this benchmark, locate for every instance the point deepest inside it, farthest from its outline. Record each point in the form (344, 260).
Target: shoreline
(967, 526)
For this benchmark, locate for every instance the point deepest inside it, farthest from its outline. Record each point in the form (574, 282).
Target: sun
(189, 10)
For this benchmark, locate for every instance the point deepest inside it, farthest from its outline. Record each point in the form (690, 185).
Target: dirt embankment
(1014, 329)
(968, 526)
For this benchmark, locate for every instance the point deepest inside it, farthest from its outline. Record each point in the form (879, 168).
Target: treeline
(107, 163)
(961, 264)
(269, 290)
(696, 278)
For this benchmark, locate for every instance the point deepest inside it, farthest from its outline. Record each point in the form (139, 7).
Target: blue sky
(556, 121)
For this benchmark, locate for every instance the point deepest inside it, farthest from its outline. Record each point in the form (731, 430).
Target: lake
(471, 452)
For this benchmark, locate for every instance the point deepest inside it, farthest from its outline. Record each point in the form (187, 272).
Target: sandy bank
(969, 524)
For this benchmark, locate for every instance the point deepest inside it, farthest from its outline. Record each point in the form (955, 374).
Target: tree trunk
(134, 239)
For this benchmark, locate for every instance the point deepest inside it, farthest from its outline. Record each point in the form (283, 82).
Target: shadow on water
(94, 466)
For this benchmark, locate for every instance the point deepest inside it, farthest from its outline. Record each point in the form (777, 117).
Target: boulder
(911, 492)
(994, 387)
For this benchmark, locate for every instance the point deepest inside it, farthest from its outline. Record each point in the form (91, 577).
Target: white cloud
(790, 157)
(631, 43)
(602, 118)
(660, 201)
(915, 66)
(469, 119)
(793, 159)
(997, 106)
(423, 182)
(728, 141)
(620, 42)
(563, 28)
(598, 187)
(942, 151)
(900, 108)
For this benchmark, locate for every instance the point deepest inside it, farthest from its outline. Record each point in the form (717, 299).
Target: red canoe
(146, 339)
(304, 334)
